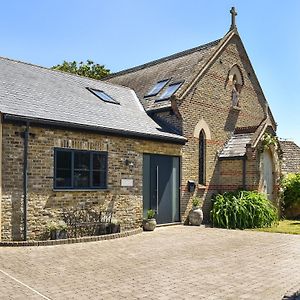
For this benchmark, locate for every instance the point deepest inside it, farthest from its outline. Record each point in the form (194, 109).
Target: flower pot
(58, 234)
(196, 216)
(149, 224)
(62, 234)
(101, 229)
(115, 228)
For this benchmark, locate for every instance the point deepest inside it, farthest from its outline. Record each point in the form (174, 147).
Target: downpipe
(25, 180)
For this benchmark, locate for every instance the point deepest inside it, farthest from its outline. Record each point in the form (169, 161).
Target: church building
(191, 124)
(211, 96)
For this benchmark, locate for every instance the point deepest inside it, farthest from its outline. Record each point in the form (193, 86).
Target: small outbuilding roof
(44, 95)
(290, 157)
(236, 146)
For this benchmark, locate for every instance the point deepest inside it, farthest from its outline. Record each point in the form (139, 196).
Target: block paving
(177, 262)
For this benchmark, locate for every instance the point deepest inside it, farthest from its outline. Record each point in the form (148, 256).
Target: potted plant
(196, 214)
(149, 224)
(57, 230)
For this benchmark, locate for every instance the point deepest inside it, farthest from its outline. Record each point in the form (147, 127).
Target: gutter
(159, 109)
(108, 131)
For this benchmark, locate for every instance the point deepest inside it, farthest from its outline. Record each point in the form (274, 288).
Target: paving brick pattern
(177, 262)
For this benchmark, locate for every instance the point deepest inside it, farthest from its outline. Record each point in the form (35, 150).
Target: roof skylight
(103, 96)
(157, 88)
(170, 91)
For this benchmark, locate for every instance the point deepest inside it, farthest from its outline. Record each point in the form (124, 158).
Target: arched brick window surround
(202, 133)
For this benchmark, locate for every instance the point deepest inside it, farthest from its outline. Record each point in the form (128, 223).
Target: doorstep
(168, 224)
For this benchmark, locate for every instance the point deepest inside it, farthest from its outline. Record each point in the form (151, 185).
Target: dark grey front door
(161, 187)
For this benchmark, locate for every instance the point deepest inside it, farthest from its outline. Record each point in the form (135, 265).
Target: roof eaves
(159, 109)
(103, 130)
(234, 157)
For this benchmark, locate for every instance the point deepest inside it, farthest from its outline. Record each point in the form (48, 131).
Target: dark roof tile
(182, 66)
(290, 157)
(40, 93)
(236, 146)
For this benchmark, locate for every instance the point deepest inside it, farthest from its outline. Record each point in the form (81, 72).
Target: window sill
(80, 190)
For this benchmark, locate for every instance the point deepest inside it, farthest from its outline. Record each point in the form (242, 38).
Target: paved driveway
(178, 262)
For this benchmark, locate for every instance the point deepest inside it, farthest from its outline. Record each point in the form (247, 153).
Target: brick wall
(44, 203)
(210, 99)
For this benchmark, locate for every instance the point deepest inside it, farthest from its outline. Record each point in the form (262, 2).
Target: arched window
(236, 82)
(202, 154)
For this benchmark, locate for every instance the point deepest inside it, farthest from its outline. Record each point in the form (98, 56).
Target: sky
(124, 33)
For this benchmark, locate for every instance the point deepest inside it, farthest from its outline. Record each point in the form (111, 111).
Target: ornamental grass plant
(243, 209)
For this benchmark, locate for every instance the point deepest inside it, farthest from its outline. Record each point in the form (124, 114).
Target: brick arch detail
(202, 125)
(236, 70)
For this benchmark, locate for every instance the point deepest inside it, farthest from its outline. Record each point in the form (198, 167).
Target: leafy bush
(196, 201)
(243, 209)
(150, 214)
(291, 190)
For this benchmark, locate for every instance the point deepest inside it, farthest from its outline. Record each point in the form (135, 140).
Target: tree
(88, 69)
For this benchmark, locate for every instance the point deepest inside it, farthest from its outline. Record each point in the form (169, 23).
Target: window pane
(170, 91)
(82, 160)
(63, 178)
(63, 159)
(157, 88)
(202, 158)
(96, 178)
(99, 179)
(82, 179)
(103, 96)
(99, 161)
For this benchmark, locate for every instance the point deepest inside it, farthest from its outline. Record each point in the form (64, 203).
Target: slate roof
(182, 66)
(236, 145)
(42, 94)
(290, 157)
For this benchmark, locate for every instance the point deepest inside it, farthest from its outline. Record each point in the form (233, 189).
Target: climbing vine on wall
(269, 140)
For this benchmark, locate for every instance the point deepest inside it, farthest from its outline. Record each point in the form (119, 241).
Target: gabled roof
(43, 95)
(182, 66)
(290, 157)
(188, 66)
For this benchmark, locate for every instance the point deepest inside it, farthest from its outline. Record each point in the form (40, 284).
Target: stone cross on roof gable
(233, 15)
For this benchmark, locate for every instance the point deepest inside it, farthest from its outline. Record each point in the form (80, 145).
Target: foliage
(150, 213)
(60, 225)
(88, 69)
(196, 201)
(269, 140)
(284, 226)
(291, 189)
(115, 221)
(243, 209)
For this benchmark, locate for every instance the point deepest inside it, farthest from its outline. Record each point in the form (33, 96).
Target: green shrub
(291, 190)
(243, 209)
(196, 201)
(150, 213)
